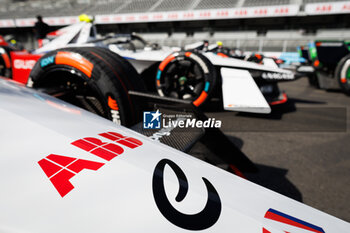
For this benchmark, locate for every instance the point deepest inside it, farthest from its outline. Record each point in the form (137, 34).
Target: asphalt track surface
(302, 149)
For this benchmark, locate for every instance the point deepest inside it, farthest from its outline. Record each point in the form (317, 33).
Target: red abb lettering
(60, 169)
(126, 141)
(101, 149)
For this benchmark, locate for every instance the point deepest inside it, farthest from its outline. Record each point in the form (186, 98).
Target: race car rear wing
(184, 138)
(331, 52)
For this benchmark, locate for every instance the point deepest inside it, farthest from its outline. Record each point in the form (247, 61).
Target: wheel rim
(182, 78)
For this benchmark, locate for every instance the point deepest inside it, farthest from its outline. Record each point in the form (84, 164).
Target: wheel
(5, 61)
(256, 58)
(342, 73)
(95, 79)
(186, 75)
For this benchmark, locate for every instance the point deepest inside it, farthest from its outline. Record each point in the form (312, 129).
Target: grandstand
(26, 8)
(256, 25)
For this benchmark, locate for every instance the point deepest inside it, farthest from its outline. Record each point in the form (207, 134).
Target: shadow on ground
(275, 179)
(269, 177)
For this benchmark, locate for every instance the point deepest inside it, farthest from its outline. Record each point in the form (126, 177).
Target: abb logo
(143, 17)
(222, 13)
(205, 14)
(130, 18)
(158, 16)
(241, 12)
(282, 10)
(262, 11)
(324, 8)
(24, 64)
(60, 169)
(346, 7)
(117, 18)
(188, 15)
(173, 16)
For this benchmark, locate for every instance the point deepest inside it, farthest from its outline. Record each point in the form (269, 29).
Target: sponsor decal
(60, 169)
(278, 76)
(289, 223)
(47, 61)
(341, 7)
(206, 218)
(24, 64)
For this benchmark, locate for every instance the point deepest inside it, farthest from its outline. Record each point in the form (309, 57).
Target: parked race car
(92, 72)
(73, 171)
(180, 75)
(5, 62)
(331, 62)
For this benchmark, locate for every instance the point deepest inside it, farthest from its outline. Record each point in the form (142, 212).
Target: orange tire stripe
(75, 60)
(200, 99)
(166, 61)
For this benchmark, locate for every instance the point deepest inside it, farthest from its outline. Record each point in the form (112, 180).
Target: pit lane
(302, 149)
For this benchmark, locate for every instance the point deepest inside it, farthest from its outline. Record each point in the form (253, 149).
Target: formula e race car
(200, 74)
(64, 169)
(91, 72)
(5, 50)
(331, 63)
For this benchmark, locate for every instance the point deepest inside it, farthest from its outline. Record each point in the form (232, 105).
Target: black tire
(5, 61)
(187, 75)
(342, 73)
(92, 78)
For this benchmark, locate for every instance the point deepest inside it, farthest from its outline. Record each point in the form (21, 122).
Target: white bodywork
(240, 92)
(118, 197)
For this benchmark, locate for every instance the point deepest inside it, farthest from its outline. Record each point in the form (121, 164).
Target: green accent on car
(313, 53)
(182, 80)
